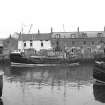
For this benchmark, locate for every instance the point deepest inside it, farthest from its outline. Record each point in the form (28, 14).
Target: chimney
(51, 30)
(78, 34)
(20, 36)
(10, 36)
(104, 28)
(78, 29)
(38, 31)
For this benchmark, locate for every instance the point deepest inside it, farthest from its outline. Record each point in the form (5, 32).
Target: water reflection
(99, 92)
(51, 76)
(47, 85)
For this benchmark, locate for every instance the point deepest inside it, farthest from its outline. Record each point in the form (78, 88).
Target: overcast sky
(89, 15)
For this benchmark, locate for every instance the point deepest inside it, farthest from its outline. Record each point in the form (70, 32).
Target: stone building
(88, 42)
(85, 39)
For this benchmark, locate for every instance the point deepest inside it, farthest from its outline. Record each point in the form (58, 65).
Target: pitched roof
(47, 36)
(88, 33)
(64, 34)
(43, 36)
(94, 33)
(40, 36)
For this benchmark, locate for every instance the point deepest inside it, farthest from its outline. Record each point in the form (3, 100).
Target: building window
(57, 36)
(41, 44)
(84, 35)
(73, 42)
(92, 42)
(1, 50)
(99, 34)
(30, 43)
(24, 44)
(84, 42)
(73, 35)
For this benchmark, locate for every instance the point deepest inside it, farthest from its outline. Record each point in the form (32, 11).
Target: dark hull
(39, 61)
(100, 64)
(99, 92)
(99, 74)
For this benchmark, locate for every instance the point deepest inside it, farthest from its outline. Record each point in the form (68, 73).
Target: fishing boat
(99, 68)
(20, 60)
(100, 61)
(99, 74)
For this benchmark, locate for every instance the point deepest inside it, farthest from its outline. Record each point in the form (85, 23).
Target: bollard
(1, 83)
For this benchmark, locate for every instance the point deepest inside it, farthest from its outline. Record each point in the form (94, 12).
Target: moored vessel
(20, 60)
(99, 74)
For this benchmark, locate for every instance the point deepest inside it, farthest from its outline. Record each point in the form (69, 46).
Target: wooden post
(1, 83)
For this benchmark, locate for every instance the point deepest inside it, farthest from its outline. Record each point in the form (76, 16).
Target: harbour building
(87, 41)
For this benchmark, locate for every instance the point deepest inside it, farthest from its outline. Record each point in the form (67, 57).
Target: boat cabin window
(16, 55)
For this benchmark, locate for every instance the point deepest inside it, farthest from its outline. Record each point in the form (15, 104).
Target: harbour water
(51, 86)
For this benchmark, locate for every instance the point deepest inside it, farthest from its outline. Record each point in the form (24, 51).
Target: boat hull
(99, 91)
(99, 74)
(100, 64)
(33, 65)
(20, 61)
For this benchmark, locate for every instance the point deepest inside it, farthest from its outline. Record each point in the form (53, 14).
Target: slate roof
(64, 34)
(48, 36)
(41, 36)
(94, 33)
(88, 33)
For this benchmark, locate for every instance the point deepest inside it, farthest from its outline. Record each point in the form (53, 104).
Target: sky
(62, 15)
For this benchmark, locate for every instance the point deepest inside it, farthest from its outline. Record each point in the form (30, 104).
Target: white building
(34, 41)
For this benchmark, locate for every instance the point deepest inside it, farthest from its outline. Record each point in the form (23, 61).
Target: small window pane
(41, 44)
(30, 44)
(24, 44)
